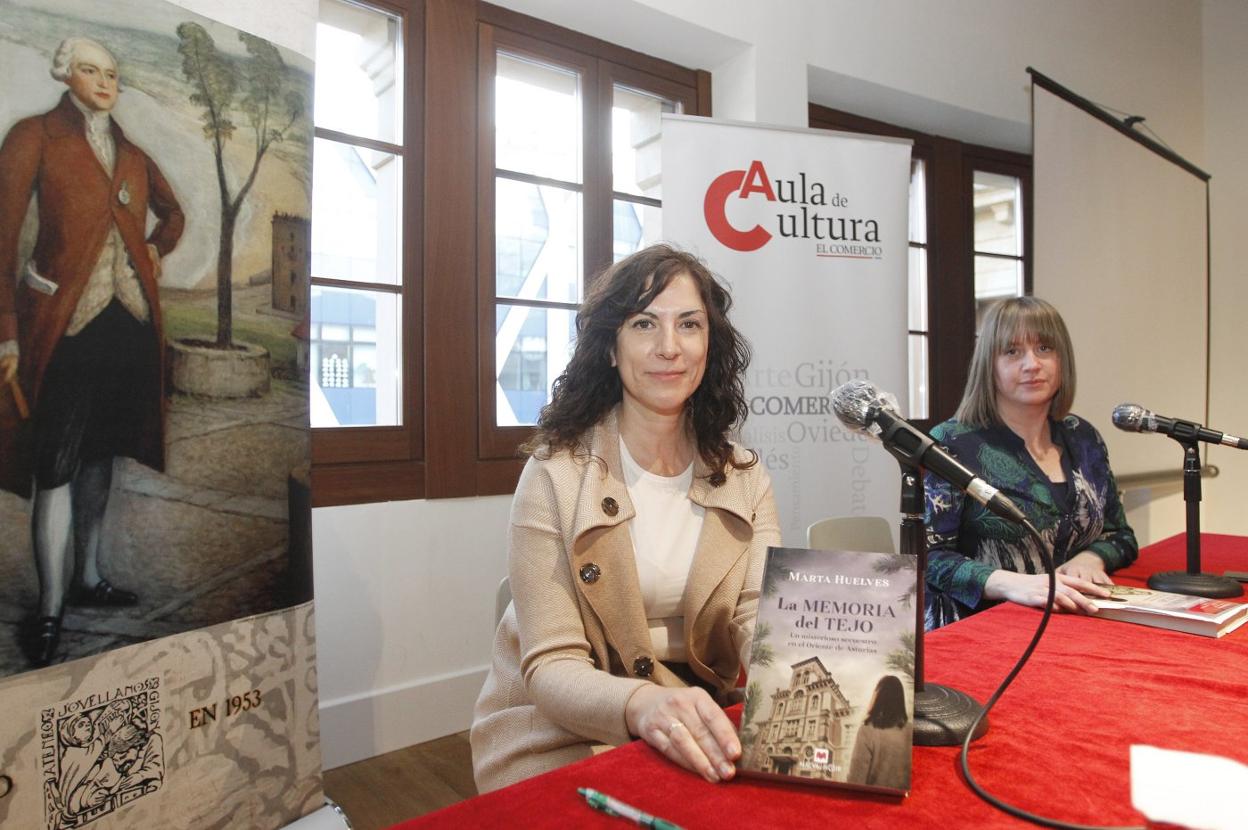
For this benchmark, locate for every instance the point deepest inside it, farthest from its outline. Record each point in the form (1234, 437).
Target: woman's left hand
(1088, 566)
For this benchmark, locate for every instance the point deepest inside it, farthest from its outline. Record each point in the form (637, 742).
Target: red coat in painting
(48, 155)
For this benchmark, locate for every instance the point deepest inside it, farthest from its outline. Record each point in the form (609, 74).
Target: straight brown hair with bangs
(1015, 320)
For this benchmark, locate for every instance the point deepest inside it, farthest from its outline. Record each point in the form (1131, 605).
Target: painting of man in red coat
(81, 340)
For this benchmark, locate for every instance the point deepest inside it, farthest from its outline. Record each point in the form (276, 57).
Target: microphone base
(1196, 585)
(943, 716)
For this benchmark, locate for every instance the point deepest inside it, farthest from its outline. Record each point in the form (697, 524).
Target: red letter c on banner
(717, 220)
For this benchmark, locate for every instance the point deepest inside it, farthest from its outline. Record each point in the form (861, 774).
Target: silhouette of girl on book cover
(882, 747)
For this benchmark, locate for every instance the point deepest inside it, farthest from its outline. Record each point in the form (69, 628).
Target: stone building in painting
(292, 258)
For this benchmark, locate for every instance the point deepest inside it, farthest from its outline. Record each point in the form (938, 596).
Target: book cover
(830, 694)
(1177, 612)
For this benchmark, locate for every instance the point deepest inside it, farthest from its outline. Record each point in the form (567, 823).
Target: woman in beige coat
(637, 539)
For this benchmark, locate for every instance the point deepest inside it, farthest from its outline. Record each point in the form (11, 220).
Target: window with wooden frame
(970, 224)
(569, 180)
(527, 160)
(364, 356)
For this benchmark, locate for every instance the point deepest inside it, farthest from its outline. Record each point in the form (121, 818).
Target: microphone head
(1130, 417)
(858, 402)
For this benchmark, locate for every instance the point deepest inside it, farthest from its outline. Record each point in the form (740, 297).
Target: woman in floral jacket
(1014, 427)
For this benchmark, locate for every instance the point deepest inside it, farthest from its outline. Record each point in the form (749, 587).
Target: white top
(665, 535)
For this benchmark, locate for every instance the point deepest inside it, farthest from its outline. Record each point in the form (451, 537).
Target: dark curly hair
(590, 386)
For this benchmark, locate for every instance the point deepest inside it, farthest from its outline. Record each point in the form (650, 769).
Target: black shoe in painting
(39, 638)
(103, 595)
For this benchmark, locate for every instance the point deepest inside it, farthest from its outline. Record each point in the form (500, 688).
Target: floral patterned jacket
(966, 543)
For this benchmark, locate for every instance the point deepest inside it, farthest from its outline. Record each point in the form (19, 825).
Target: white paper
(1202, 792)
(329, 817)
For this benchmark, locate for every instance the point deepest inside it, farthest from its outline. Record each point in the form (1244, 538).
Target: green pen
(614, 807)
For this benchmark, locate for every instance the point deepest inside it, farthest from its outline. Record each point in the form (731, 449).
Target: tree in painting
(256, 87)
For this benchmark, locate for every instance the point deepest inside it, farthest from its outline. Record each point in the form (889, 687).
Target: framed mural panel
(157, 663)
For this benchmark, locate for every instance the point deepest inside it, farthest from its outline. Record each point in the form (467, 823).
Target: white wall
(955, 67)
(405, 590)
(405, 617)
(1225, 27)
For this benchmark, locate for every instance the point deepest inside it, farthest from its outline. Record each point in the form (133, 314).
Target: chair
(501, 600)
(861, 533)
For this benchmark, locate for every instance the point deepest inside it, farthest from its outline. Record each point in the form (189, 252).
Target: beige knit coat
(574, 644)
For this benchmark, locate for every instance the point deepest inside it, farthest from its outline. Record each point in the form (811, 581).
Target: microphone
(864, 408)
(1131, 417)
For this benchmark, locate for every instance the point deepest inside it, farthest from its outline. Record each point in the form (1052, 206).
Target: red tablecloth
(1058, 743)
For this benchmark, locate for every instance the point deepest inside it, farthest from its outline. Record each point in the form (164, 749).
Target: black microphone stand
(1192, 581)
(942, 715)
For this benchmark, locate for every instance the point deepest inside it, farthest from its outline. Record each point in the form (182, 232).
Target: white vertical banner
(809, 230)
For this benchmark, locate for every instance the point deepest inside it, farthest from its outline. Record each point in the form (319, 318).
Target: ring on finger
(673, 726)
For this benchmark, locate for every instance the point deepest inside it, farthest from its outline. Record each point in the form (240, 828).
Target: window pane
(532, 347)
(998, 277)
(359, 72)
(537, 119)
(356, 213)
(995, 278)
(998, 214)
(537, 243)
(355, 364)
(918, 201)
(635, 226)
(330, 332)
(918, 376)
(918, 289)
(635, 122)
(364, 366)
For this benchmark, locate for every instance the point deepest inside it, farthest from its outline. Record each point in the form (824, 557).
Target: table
(1058, 744)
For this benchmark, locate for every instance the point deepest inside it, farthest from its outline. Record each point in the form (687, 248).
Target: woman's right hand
(687, 726)
(1033, 590)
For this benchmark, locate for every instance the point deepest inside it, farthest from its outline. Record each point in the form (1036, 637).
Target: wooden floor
(390, 788)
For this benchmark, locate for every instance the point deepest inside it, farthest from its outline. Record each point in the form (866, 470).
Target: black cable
(964, 757)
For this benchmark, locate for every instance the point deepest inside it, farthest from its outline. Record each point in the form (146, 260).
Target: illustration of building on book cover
(830, 697)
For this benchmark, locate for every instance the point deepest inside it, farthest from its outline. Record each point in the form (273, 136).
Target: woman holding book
(1014, 428)
(637, 539)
